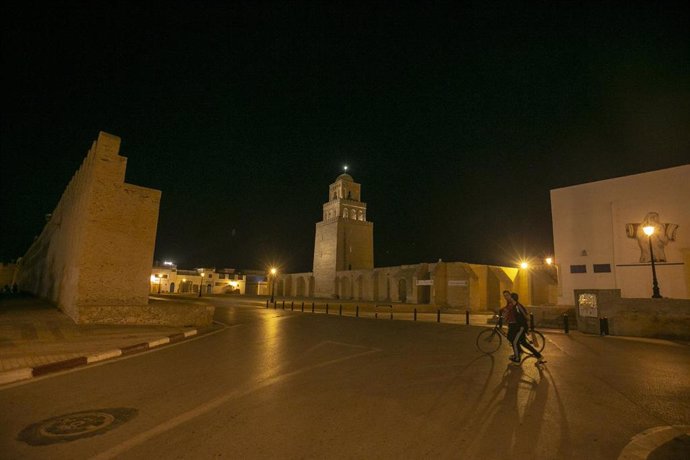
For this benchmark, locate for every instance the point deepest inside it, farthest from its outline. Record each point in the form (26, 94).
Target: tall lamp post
(159, 282)
(273, 283)
(201, 283)
(649, 231)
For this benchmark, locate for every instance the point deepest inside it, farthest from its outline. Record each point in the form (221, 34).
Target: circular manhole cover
(77, 425)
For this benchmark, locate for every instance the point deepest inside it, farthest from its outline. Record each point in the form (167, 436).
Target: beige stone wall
(450, 284)
(97, 248)
(169, 314)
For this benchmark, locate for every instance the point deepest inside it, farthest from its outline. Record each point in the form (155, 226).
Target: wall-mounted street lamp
(273, 283)
(548, 260)
(649, 231)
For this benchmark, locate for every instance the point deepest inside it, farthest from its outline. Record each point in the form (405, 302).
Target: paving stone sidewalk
(34, 334)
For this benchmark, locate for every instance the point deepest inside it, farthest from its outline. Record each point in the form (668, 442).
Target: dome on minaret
(345, 176)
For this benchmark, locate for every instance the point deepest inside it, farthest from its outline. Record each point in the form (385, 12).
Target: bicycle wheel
(536, 339)
(488, 341)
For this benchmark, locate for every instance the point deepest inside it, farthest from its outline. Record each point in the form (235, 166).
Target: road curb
(26, 373)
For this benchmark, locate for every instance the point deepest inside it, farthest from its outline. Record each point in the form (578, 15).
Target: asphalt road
(278, 384)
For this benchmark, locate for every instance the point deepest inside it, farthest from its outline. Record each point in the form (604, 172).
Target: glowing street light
(524, 265)
(201, 283)
(273, 283)
(548, 261)
(159, 282)
(649, 231)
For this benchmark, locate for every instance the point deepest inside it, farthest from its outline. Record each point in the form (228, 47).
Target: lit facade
(344, 267)
(168, 279)
(599, 238)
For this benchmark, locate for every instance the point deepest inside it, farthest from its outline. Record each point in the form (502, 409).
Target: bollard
(438, 315)
(415, 314)
(391, 313)
(531, 321)
(266, 303)
(275, 304)
(283, 305)
(467, 317)
(357, 312)
(292, 306)
(604, 326)
(566, 326)
(302, 307)
(340, 310)
(326, 308)
(312, 307)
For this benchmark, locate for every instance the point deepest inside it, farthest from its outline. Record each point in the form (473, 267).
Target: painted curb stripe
(25, 373)
(15, 375)
(103, 356)
(139, 347)
(59, 366)
(159, 342)
(177, 337)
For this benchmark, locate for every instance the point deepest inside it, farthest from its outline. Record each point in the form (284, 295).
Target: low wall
(147, 315)
(552, 316)
(658, 318)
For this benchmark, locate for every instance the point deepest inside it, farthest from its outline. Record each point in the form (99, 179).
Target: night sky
(457, 121)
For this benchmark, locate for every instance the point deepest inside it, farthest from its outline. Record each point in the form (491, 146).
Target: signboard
(457, 282)
(425, 282)
(587, 305)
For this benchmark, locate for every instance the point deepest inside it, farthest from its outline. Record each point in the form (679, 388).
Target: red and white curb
(25, 373)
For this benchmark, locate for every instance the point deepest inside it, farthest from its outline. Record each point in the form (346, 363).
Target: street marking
(103, 356)
(159, 342)
(15, 375)
(645, 443)
(213, 404)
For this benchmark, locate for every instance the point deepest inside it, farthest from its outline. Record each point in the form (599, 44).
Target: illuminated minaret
(344, 238)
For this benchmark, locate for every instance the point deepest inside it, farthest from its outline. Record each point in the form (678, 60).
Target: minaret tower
(344, 238)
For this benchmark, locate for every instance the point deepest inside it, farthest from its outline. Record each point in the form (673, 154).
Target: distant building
(168, 279)
(599, 239)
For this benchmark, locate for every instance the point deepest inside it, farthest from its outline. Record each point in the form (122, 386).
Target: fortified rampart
(96, 250)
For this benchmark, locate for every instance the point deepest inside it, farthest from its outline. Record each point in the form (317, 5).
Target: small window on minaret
(335, 195)
(349, 195)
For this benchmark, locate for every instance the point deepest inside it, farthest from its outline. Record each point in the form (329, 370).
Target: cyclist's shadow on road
(512, 418)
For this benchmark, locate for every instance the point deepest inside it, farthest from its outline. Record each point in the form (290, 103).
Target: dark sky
(457, 121)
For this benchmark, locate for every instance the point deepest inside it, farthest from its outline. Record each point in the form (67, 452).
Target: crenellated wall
(97, 247)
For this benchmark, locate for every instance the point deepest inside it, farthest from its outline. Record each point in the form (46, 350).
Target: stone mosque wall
(96, 249)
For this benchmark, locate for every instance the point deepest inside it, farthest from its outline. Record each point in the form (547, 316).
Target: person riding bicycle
(515, 315)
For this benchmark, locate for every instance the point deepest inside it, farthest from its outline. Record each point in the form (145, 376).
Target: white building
(167, 279)
(599, 242)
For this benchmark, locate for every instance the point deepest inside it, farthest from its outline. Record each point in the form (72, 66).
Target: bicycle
(489, 340)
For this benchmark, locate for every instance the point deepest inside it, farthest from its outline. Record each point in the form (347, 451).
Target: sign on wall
(457, 282)
(587, 305)
(425, 282)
